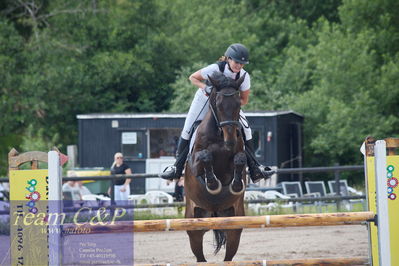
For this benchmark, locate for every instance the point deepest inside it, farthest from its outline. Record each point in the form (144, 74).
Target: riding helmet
(238, 53)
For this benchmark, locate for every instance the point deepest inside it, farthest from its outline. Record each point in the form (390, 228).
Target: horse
(215, 176)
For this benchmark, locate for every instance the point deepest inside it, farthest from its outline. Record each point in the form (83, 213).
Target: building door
(134, 149)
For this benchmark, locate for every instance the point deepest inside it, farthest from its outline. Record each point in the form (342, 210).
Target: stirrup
(267, 171)
(263, 172)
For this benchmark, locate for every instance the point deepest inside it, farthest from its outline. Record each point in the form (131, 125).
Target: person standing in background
(122, 186)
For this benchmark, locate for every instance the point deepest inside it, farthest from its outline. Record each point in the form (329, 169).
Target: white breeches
(199, 107)
(121, 196)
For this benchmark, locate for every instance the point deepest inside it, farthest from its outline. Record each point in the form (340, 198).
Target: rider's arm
(196, 79)
(244, 97)
(128, 171)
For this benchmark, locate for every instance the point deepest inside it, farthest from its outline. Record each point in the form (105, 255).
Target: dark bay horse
(215, 172)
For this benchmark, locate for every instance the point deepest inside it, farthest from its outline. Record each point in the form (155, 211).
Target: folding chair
(317, 189)
(294, 190)
(346, 191)
(136, 199)
(157, 197)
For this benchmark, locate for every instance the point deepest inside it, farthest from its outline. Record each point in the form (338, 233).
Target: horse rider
(231, 65)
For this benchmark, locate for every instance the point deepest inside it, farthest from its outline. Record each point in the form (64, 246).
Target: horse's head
(225, 105)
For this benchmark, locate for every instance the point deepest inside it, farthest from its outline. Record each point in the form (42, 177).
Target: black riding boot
(256, 170)
(175, 171)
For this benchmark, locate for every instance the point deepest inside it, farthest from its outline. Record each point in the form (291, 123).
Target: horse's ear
(240, 81)
(213, 82)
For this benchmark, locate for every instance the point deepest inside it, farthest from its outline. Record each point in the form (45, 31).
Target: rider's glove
(208, 90)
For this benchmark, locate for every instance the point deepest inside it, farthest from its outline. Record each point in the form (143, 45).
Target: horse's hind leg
(213, 185)
(196, 238)
(232, 242)
(233, 236)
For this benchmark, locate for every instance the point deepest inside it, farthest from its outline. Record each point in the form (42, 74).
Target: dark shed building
(145, 137)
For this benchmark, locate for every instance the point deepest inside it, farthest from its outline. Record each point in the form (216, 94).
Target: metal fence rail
(182, 204)
(335, 169)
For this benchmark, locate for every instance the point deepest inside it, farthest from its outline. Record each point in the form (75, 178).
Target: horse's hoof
(237, 189)
(214, 187)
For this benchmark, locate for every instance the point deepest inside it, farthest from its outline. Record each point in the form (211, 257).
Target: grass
(303, 208)
(251, 210)
(151, 216)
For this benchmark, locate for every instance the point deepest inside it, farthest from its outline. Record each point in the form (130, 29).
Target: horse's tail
(220, 237)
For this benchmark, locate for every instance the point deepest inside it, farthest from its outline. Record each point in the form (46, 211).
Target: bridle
(227, 122)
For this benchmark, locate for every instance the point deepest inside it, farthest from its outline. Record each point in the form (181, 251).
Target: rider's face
(235, 66)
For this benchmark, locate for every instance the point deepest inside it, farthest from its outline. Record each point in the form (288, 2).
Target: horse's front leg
(237, 185)
(213, 185)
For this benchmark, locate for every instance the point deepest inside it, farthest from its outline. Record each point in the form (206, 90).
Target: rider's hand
(208, 89)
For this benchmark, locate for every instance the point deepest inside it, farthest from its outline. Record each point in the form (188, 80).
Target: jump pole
(238, 222)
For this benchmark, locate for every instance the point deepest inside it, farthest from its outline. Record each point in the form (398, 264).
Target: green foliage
(11, 56)
(183, 90)
(335, 62)
(343, 105)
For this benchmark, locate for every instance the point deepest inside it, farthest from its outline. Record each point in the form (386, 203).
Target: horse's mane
(221, 81)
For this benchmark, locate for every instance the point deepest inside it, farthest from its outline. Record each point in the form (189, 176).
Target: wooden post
(15, 160)
(392, 145)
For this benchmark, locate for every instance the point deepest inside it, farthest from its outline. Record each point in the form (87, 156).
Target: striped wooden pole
(333, 261)
(238, 222)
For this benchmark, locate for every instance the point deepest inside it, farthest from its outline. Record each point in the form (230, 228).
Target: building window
(133, 144)
(163, 142)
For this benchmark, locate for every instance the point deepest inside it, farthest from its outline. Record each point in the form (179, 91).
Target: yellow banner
(88, 173)
(29, 212)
